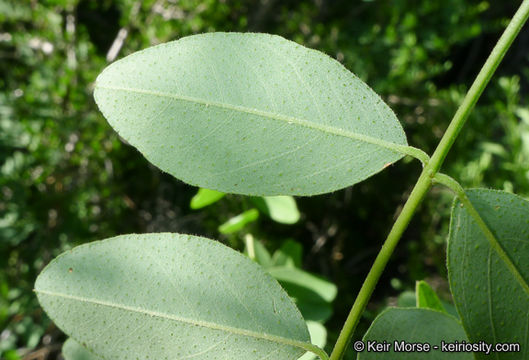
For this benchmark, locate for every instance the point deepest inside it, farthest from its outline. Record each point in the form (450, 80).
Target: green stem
(414, 152)
(416, 196)
(483, 78)
(425, 180)
(250, 246)
(494, 243)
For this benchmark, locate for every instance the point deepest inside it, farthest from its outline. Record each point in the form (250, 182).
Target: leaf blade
(238, 222)
(205, 197)
(124, 296)
(289, 113)
(312, 294)
(323, 288)
(414, 325)
(427, 298)
(489, 297)
(289, 253)
(282, 209)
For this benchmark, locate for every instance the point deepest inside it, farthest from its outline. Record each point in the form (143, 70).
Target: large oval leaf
(492, 301)
(398, 326)
(170, 296)
(250, 114)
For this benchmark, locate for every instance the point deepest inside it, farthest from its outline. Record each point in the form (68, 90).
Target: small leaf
(413, 325)
(289, 254)
(427, 298)
(313, 294)
(238, 222)
(282, 209)
(72, 350)
(325, 289)
(407, 299)
(251, 114)
(491, 300)
(205, 197)
(168, 296)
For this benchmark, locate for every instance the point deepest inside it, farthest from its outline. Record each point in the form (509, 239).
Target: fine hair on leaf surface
(165, 295)
(250, 113)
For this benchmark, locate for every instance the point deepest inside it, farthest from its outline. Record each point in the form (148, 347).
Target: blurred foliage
(281, 209)
(67, 178)
(312, 293)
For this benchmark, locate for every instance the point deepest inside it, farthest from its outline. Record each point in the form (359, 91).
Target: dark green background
(66, 177)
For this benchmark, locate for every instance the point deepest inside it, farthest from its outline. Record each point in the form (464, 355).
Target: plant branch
(494, 243)
(481, 81)
(418, 193)
(425, 180)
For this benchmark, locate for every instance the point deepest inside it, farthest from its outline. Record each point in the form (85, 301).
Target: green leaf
(167, 296)
(205, 197)
(282, 209)
(314, 310)
(313, 294)
(324, 289)
(72, 350)
(413, 325)
(407, 299)
(238, 222)
(258, 252)
(11, 355)
(491, 300)
(251, 114)
(289, 254)
(427, 298)
(450, 309)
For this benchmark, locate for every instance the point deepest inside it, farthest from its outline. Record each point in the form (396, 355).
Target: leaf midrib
(493, 241)
(206, 324)
(484, 227)
(399, 148)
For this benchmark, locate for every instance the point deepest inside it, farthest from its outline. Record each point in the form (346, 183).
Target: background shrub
(66, 178)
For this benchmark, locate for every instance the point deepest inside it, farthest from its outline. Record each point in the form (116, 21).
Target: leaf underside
(490, 299)
(249, 113)
(170, 296)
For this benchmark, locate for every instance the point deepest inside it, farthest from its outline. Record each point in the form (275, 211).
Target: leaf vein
(201, 323)
(398, 148)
